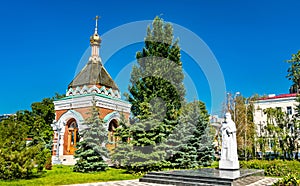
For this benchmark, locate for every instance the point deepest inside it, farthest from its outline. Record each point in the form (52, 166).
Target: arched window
(113, 124)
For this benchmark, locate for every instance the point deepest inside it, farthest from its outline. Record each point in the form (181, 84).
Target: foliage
(201, 139)
(17, 159)
(241, 110)
(138, 155)
(290, 180)
(289, 170)
(282, 132)
(294, 70)
(91, 150)
(35, 125)
(44, 159)
(158, 74)
(64, 175)
(296, 126)
(178, 153)
(39, 121)
(122, 133)
(275, 167)
(191, 145)
(156, 93)
(142, 154)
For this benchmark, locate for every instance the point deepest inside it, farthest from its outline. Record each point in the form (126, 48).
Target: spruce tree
(202, 139)
(120, 153)
(145, 156)
(192, 145)
(176, 145)
(91, 150)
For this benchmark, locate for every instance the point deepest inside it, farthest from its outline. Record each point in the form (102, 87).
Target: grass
(63, 175)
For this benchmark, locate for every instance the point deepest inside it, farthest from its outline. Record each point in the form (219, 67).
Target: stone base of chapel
(64, 160)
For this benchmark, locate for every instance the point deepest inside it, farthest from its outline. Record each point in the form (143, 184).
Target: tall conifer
(156, 94)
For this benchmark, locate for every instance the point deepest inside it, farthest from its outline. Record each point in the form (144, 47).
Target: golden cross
(96, 27)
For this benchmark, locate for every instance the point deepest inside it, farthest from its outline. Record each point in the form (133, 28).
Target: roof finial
(96, 26)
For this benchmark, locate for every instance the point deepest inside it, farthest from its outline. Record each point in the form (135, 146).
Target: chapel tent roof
(93, 73)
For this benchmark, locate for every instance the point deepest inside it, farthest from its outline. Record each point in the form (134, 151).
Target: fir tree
(91, 150)
(158, 73)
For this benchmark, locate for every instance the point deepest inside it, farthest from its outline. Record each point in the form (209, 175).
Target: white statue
(229, 157)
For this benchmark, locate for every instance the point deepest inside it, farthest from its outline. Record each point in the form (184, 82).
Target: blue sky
(41, 43)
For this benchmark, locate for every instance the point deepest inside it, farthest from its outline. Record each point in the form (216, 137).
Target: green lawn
(63, 175)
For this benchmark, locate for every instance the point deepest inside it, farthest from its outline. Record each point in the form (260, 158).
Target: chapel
(93, 82)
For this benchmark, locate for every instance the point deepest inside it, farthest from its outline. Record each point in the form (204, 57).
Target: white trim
(114, 115)
(63, 120)
(93, 89)
(86, 101)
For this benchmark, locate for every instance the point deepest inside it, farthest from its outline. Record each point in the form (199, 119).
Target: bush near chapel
(17, 159)
(22, 159)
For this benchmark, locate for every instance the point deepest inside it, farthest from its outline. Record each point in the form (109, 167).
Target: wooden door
(71, 138)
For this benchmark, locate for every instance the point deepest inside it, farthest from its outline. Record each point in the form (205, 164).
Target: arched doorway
(112, 126)
(71, 137)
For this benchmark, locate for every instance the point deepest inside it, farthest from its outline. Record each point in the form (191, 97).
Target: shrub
(290, 180)
(17, 158)
(274, 168)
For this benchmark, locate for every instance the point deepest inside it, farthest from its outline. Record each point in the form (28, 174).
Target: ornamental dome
(95, 39)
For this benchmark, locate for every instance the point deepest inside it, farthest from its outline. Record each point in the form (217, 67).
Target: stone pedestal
(212, 177)
(229, 165)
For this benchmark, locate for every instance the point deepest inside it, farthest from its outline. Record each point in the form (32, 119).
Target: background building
(4, 116)
(285, 103)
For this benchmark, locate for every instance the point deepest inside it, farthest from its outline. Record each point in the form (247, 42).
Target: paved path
(264, 182)
(267, 181)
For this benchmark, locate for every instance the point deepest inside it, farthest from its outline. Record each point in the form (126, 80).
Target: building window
(289, 110)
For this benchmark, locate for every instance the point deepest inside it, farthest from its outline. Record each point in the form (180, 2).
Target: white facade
(286, 102)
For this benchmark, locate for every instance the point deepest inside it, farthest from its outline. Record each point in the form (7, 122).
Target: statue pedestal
(204, 176)
(229, 165)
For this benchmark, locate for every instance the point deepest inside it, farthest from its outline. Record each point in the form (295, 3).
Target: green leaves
(294, 69)
(279, 131)
(18, 159)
